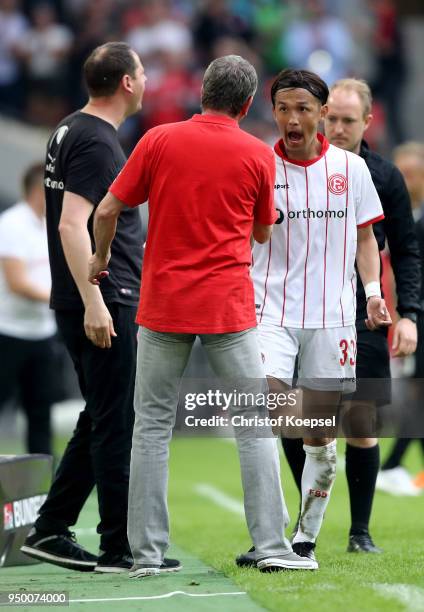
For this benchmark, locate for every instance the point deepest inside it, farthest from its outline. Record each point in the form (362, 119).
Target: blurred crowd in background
(43, 45)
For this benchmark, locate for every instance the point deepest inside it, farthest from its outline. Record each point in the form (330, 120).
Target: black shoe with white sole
(113, 563)
(305, 549)
(247, 559)
(168, 565)
(59, 549)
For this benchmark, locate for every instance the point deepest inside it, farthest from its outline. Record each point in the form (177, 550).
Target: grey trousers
(161, 360)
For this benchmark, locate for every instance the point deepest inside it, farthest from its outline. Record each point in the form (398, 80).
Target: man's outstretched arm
(105, 220)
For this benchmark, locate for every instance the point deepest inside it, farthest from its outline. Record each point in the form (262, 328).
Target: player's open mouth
(294, 137)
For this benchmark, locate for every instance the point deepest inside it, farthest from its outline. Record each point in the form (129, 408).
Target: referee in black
(97, 325)
(348, 117)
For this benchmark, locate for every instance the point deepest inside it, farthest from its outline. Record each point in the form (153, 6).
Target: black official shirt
(398, 228)
(84, 156)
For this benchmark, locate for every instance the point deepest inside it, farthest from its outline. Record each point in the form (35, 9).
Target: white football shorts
(327, 357)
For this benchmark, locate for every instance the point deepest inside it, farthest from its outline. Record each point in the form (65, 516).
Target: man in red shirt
(210, 187)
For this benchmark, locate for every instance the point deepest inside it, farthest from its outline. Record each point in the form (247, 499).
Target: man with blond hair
(348, 117)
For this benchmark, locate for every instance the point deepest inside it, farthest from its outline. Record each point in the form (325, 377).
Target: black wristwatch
(412, 316)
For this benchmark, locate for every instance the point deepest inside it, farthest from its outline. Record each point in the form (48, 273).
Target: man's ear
(367, 121)
(245, 107)
(324, 111)
(126, 83)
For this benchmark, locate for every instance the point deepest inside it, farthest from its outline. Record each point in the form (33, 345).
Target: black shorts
(373, 362)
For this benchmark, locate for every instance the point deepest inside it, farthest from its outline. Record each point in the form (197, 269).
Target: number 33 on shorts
(348, 351)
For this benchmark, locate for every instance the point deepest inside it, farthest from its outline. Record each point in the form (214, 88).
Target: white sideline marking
(410, 596)
(221, 499)
(164, 596)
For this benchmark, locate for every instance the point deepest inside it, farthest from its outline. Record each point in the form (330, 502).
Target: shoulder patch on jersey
(337, 184)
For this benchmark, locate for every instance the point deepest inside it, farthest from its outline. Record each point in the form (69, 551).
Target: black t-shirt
(84, 156)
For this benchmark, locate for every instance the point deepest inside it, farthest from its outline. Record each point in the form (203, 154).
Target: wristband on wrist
(412, 316)
(372, 289)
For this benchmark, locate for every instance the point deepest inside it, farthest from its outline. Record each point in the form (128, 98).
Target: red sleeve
(265, 212)
(371, 221)
(132, 184)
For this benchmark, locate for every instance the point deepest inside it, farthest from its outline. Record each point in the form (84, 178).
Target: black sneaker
(113, 563)
(247, 559)
(362, 543)
(59, 549)
(168, 565)
(304, 549)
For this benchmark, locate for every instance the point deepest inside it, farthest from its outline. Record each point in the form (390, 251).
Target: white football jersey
(305, 276)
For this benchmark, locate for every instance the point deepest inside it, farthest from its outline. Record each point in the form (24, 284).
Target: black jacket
(419, 228)
(398, 227)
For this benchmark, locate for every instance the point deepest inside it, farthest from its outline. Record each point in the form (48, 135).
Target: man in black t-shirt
(97, 324)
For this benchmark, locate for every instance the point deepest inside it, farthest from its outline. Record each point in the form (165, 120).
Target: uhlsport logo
(337, 184)
(22, 512)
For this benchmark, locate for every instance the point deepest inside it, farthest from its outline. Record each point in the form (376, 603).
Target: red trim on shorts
(371, 221)
(307, 248)
(325, 248)
(266, 279)
(288, 246)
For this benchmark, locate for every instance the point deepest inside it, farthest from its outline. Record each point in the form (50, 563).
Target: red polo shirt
(206, 181)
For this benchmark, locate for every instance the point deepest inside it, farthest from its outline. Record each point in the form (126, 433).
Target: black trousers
(25, 374)
(98, 452)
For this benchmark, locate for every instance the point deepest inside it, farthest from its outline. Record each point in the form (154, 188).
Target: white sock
(318, 476)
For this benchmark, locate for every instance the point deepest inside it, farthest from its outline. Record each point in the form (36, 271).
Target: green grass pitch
(208, 536)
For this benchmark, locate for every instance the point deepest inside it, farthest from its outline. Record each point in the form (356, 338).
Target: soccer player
(83, 158)
(348, 117)
(305, 277)
(209, 186)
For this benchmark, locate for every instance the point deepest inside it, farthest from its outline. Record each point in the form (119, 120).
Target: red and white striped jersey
(305, 276)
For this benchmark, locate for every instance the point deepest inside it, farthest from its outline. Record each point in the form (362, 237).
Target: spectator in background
(45, 51)
(320, 42)
(393, 477)
(215, 20)
(94, 24)
(391, 68)
(159, 32)
(27, 326)
(13, 27)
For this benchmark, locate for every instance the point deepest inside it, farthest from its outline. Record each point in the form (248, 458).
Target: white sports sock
(318, 476)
